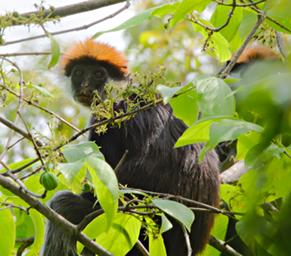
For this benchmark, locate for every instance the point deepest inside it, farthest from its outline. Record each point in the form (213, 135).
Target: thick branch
(64, 11)
(15, 128)
(57, 219)
(233, 173)
(222, 247)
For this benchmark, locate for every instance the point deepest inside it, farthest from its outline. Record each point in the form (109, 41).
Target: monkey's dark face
(87, 79)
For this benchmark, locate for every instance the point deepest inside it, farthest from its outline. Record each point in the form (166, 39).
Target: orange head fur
(94, 51)
(257, 53)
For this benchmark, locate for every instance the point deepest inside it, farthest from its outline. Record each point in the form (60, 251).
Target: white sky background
(19, 32)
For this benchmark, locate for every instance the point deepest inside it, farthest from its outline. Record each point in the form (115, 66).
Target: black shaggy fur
(151, 164)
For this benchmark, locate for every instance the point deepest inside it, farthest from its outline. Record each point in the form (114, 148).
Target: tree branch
(15, 128)
(64, 11)
(225, 71)
(222, 247)
(233, 173)
(55, 218)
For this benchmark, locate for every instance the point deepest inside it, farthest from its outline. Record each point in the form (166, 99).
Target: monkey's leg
(74, 208)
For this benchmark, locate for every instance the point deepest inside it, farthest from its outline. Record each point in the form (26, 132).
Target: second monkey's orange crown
(99, 52)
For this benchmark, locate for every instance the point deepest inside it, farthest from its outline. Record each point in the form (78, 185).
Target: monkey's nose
(85, 84)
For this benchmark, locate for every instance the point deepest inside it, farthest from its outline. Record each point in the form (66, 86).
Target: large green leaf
(38, 223)
(105, 185)
(183, 101)
(176, 210)
(86, 156)
(279, 10)
(132, 22)
(188, 6)
(167, 92)
(75, 152)
(55, 51)
(120, 237)
(156, 245)
(166, 224)
(230, 129)
(185, 105)
(199, 132)
(7, 234)
(216, 98)
(220, 16)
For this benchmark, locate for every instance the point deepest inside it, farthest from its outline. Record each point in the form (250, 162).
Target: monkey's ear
(114, 72)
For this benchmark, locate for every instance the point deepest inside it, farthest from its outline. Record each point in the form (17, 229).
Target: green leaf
(185, 105)
(17, 165)
(167, 92)
(187, 6)
(7, 234)
(41, 89)
(156, 245)
(105, 186)
(76, 152)
(165, 9)
(245, 142)
(39, 232)
(220, 16)
(166, 224)
(70, 170)
(216, 98)
(55, 50)
(176, 210)
(120, 237)
(216, 42)
(229, 129)
(132, 22)
(279, 11)
(199, 132)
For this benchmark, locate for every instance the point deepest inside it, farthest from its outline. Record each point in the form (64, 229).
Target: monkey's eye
(78, 72)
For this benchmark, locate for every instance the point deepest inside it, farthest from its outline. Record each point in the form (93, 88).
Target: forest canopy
(179, 53)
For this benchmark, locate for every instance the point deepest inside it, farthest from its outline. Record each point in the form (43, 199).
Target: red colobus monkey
(152, 162)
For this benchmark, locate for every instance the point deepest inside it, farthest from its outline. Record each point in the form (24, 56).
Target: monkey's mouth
(85, 99)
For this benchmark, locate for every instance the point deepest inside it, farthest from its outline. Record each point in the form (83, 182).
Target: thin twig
(217, 29)
(141, 248)
(31, 173)
(75, 29)
(98, 124)
(121, 161)
(30, 102)
(9, 205)
(32, 139)
(14, 54)
(240, 5)
(226, 70)
(24, 244)
(187, 240)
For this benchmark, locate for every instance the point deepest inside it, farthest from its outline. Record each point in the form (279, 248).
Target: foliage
(164, 40)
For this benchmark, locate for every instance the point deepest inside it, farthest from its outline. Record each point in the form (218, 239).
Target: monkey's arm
(74, 208)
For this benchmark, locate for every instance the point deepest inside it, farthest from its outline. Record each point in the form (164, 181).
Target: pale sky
(65, 23)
